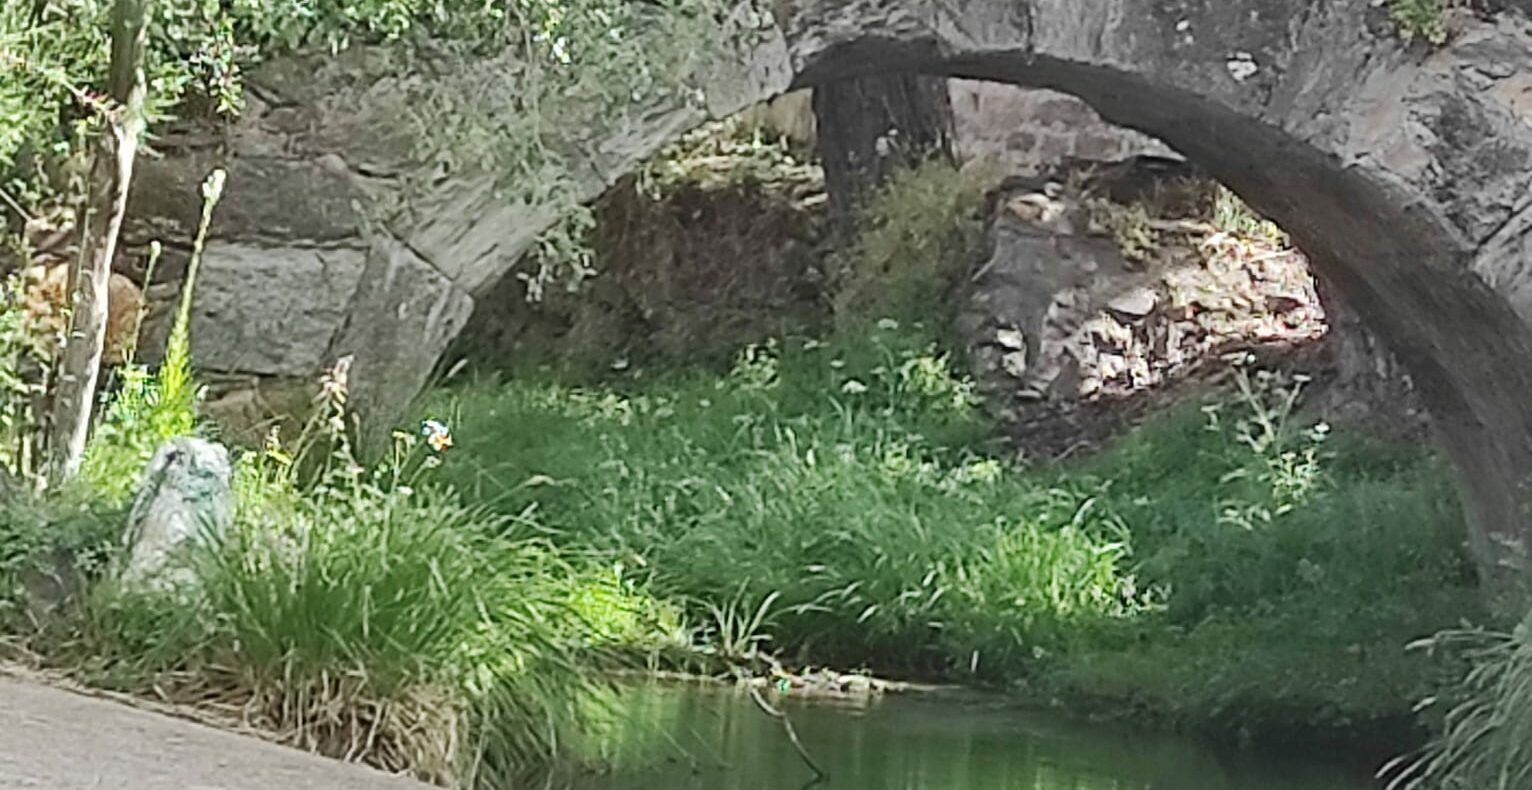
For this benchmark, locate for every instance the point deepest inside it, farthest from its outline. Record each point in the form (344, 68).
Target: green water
(666, 737)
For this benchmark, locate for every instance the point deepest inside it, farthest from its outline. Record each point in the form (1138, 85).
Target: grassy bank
(1228, 567)
(363, 612)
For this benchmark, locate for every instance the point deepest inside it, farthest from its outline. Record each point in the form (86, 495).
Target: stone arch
(1402, 172)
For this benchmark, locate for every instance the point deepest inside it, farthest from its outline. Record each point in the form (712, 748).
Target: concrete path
(52, 739)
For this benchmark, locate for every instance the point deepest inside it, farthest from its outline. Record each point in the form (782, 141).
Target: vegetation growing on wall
(546, 67)
(915, 239)
(1420, 20)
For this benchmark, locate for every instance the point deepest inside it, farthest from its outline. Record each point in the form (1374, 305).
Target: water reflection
(662, 737)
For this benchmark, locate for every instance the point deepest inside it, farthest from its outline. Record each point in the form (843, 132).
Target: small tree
(101, 220)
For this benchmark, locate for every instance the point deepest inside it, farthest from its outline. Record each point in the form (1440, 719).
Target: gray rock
(1135, 304)
(182, 495)
(264, 310)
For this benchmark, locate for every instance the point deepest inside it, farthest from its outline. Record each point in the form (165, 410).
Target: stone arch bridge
(1402, 171)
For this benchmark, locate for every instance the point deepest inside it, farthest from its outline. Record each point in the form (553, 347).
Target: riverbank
(1228, 567)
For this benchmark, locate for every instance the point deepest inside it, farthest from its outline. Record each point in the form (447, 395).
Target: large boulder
(183, 494)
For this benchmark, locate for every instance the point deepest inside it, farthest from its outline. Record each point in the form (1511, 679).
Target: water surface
(670, 737)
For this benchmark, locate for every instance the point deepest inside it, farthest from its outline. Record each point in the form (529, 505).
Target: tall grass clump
(850, 483)
(1292, 565)
(1238, 566)
(151, 407)
(1485, 739)
(363, 612)
(368, 615)
(914, 240)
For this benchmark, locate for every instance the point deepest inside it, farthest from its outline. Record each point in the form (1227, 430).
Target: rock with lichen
(183, 495)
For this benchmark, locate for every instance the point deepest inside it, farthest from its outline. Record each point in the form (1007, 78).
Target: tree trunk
(870, 126)
(111, 173)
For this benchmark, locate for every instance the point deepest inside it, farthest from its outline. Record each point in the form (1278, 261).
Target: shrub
(360, 613)
(1234, 567)
(915, 238)
(60, 543)
(836, 479)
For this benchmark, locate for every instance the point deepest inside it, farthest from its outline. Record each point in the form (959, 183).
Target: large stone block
(265, 310)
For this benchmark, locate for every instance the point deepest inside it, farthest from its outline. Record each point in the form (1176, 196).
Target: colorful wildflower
(437, 435)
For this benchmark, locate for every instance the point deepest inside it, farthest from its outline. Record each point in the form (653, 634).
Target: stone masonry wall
(1027, 130)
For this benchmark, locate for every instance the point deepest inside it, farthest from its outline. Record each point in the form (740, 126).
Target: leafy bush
(576, 61)
(1293, 566)
(376, 625)
(371, 617)
(360, 613)
(61, 542)
(914, 239)
(149, 409)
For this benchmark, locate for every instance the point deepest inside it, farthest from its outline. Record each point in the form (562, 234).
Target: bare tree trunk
(111, 174)
(869, 126)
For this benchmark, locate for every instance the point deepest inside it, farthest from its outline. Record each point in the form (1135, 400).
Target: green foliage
(731, 154)
(1236, 567)
(832, 481)
(1486, 738)
(1293, 566)
(372, 615)
(915, 238)
(359, 607)
(1232, 216)
(556, 66)
(1422, 20)
(71, 531)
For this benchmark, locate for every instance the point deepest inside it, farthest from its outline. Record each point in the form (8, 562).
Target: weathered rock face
(1068, 335)
(1403, 173)
(1026, 130)
(183, 493)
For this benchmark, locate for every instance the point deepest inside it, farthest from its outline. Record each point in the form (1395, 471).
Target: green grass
(366, 614)
(1257, 576)
(393, 625)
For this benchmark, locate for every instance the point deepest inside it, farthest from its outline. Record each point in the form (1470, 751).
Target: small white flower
(888, 324)
(853, 387)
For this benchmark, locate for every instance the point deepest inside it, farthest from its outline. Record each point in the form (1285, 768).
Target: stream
(677, 737)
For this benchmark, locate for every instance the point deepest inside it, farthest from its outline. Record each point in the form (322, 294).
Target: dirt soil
(53, 739)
